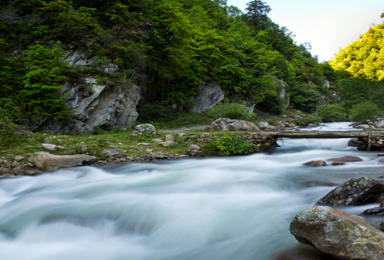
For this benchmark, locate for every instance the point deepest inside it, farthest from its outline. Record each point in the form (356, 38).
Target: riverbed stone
(50, 147)
(49, 162)
(157, 140)
(145, 129)
(18, 158)
(354, 192)
(338, 234)
(316, 163)
(113, 153)
(337, 163)
(348, 158)
(302, 254)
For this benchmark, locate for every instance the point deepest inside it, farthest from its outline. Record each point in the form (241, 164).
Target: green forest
(168, 48)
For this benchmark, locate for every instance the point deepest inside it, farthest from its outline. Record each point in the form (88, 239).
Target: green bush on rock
(229, 145)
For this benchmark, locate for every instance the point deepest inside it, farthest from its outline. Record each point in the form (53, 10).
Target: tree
(257, 13)
(44, 78)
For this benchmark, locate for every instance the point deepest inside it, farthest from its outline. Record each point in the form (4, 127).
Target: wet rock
(49, 162)
(347, 158)
(159, 155)
(302, 254)
(226, 124)
(50, 147)
(317, 183)
(374, 211)
(32, 171)
(380, 154)
(338, 234)
(316, 163)
(338, 163)
(113, 153)
(354, 192)
(5, 170)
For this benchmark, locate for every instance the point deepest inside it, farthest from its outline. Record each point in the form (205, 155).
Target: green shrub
(97, 130)
(230, 110)
(364, 111)
(331, 112)
(46, 74)
(229, 145)
(10, 133)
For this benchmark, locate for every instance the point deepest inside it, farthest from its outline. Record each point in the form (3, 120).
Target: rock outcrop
(338, 234)
(97, 105)
(210, 94)
(49, 162)
(354, 192)
(226, 124)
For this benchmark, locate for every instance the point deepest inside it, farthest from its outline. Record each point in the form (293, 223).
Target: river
(195, 209)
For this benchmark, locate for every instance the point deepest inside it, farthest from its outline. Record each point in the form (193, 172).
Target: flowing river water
(196, 209)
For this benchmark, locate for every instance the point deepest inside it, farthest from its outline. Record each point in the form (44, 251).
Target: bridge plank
(320, 134)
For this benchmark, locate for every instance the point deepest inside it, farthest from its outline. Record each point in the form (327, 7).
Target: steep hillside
(60, 59)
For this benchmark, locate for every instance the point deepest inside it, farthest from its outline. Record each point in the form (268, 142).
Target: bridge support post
(369, 138)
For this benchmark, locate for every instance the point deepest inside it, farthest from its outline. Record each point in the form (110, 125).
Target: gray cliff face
(95, 104)
(210, 94)
(98, 105)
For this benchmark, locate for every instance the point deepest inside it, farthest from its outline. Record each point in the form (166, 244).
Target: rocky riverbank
(43, 152)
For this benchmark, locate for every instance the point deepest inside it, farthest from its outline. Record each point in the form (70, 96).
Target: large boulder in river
(338, 234)
(210, 94)
(226, 124)
(354, 192)
(49, 162)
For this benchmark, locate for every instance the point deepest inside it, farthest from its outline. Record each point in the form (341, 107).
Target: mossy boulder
(338, 234)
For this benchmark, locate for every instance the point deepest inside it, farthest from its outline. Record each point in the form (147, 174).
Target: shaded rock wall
(97, 105)
(210, 94)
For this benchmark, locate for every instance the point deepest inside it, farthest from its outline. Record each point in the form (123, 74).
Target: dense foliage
(359, 68)
(332, 112)
(167, 47)
(364, 58)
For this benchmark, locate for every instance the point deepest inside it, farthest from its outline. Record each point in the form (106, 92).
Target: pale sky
(327, 24)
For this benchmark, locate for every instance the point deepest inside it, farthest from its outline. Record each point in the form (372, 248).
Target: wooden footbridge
(363, 140)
